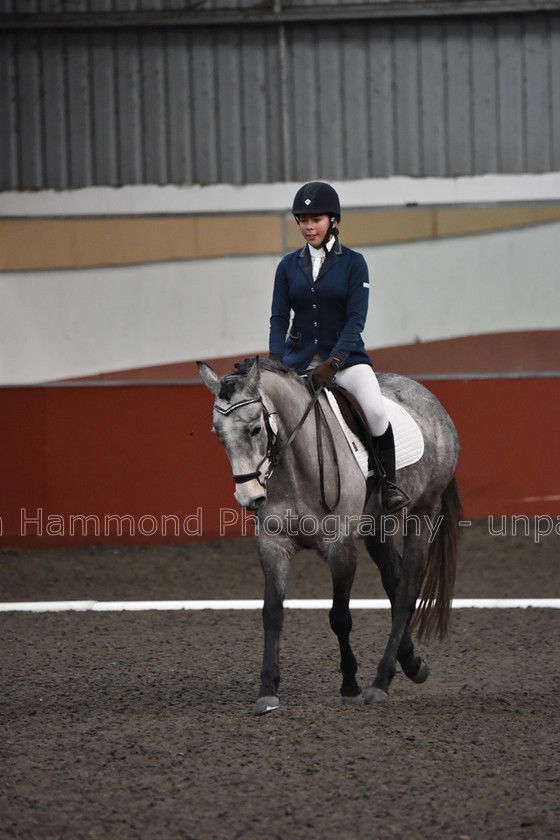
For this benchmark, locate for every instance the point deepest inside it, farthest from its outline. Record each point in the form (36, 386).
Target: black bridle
(271, 436)
(274, 453)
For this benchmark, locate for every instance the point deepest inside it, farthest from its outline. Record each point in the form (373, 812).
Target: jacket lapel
(304, 258)
(330, 259)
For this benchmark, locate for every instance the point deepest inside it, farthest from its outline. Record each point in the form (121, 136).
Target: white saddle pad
(409, 443)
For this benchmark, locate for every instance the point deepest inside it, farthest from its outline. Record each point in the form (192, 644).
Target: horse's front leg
(275, 554)
(342, 561)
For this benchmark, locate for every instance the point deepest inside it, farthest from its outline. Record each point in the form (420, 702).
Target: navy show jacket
(329, 314)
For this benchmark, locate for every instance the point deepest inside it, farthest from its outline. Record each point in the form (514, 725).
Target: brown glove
(324, 373)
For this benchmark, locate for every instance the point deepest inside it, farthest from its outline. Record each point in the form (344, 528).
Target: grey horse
(263, 418)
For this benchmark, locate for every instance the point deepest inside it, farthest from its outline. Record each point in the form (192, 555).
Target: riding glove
(324, 373)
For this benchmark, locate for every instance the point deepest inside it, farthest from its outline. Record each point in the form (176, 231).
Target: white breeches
(361, 382)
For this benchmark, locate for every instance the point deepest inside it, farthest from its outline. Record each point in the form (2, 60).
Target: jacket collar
(336, 248)
(305, 260)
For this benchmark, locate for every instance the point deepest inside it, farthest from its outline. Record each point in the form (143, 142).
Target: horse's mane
(231, 381)
(274, 365)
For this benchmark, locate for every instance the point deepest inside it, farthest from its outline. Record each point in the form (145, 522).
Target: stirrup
(393, 499)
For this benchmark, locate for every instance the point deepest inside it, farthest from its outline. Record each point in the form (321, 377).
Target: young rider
(326, 286)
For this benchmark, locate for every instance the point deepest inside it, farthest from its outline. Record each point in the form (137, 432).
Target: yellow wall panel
(377, 227)
(464, 221)
(42, 244)
(27, 245)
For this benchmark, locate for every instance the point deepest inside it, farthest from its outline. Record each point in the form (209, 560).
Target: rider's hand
(324, 373)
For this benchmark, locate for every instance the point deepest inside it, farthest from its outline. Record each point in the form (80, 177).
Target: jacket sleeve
(280, 314)
(356, 308)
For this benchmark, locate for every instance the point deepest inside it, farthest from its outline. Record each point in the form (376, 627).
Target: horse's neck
(286, 396)
(289, 399)
(299, 477)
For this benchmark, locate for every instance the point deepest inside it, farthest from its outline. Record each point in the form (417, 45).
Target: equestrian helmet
(317, 198)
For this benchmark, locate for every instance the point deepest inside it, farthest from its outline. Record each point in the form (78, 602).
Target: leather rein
(274, 453)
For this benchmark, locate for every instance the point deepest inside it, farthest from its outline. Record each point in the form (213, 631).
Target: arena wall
(107, 300)
(117, 464)
(148, 160)
(87, 292)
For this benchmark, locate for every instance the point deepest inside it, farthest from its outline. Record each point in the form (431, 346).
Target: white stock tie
(317, 262)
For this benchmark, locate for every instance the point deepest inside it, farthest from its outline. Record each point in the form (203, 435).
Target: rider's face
(314, 228)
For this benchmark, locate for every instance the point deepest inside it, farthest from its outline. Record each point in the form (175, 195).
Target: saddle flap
(409, 442)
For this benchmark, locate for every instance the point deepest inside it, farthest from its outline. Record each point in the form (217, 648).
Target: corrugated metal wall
(263, 103)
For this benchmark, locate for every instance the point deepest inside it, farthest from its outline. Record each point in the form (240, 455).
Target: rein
(320, 421)
(277, 456)
(274, 455)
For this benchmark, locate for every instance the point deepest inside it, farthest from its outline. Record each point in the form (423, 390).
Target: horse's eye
(254, 431)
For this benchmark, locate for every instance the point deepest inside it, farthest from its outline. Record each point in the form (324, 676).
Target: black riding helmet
(318, 199)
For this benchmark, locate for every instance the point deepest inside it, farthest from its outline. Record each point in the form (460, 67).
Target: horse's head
(245, 429)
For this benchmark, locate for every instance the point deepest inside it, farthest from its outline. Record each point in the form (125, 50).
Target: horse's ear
(253, 377)
(209, 377)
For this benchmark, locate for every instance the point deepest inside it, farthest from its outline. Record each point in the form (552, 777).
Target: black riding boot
(392, 499)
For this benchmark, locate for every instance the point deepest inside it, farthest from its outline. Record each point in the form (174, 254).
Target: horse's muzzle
(250, 495)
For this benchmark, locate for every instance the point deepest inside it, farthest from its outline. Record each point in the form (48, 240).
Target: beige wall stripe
(383, 227)
(42, 244)
(84, 243)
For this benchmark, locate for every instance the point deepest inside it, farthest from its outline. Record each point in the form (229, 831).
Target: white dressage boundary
(295, 604)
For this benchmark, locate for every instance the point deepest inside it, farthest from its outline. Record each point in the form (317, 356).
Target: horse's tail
(433, 614)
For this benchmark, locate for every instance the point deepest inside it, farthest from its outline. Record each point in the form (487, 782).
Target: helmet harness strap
(332, 231)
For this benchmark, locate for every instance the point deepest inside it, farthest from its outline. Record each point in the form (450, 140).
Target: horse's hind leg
(275, 554)
(342, 561)
(401, 590)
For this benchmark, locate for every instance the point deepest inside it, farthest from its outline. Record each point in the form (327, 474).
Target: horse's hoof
(375, 695)
(422, 674)
(357, 700)
(266, 704)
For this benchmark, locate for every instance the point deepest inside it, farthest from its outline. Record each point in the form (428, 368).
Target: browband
(240, 404)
